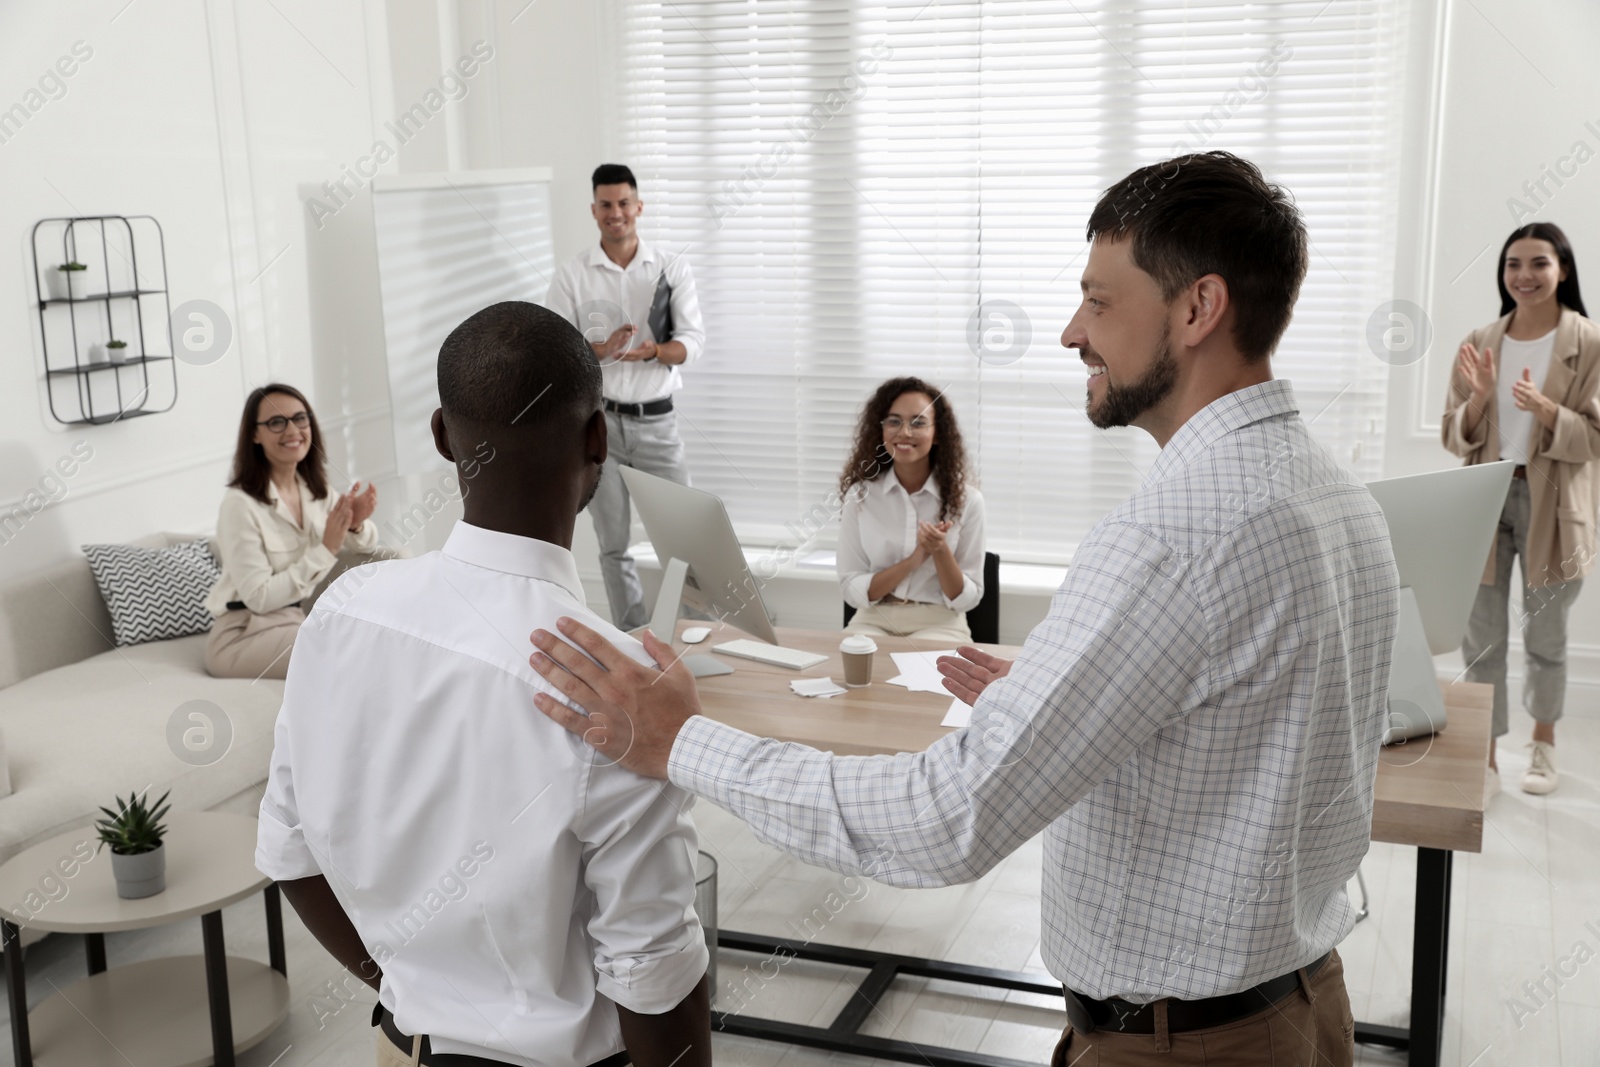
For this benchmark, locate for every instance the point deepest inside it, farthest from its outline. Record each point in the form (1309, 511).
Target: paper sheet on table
(918, 671)
(959, 715)
(816, 687)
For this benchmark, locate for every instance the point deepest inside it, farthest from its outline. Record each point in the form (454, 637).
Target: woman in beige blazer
(1526, 387)
(279, 535)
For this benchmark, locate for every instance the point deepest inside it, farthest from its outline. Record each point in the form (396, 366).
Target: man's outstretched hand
(968, 675)
(634, 712)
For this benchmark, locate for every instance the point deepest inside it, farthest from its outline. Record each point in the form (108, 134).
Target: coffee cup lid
(858, 644)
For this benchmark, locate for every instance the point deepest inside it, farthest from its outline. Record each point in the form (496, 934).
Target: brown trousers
(1311, 1027)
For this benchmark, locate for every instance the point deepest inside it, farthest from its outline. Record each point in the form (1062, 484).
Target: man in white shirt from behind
(511, 895)
(626, 294)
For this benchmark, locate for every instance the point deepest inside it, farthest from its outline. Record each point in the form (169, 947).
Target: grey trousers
(1543, 619)
(649, 443)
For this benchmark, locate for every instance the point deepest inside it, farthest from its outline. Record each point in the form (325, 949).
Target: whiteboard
(450, 245)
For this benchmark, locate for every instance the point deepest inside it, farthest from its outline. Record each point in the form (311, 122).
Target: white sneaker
(1491, 784)
(1541, 777)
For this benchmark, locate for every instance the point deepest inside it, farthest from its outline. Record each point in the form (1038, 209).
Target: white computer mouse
(695, 634)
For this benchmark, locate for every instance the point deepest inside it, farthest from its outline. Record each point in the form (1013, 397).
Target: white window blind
(853, 180)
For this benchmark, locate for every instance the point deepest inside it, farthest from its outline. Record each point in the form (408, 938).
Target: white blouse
(269, 562)
(878, 528)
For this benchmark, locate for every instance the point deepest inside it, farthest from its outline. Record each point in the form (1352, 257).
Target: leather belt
(239, 605)
(1520, 471)
(649, 407)
(1116, 1015)
(384, 1018)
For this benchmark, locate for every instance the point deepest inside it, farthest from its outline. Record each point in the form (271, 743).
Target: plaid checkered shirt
(1195, 727)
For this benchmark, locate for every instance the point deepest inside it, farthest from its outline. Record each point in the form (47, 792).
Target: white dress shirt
(268, 560)
(597, 296)
(505, 877)
(1516, 425)
(1195, 726)
(878, 528)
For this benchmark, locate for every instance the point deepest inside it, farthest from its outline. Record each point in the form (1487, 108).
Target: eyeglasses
(278, 423)
(918, 423)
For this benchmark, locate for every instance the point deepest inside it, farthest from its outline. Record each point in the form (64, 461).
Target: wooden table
(178, 1011)
(1429, 794)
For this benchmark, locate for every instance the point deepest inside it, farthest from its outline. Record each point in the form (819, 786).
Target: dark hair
(252, 472)
(1213, 213)
(518, 364)
(948, 457)
(613, 174)
(1567, 291)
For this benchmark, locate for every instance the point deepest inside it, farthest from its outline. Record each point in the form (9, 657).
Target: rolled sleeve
(688, 329)
(365, 538)
(639, 849)
(969, 555)
(855, 570)
(1575, 437)
(281, 850)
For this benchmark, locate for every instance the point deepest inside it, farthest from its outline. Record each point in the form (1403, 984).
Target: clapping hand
(1479, 371)
(968, 674)
(362, 503)
(339, 516)
(645, 351)
(1528, 397)
(614, 346)
(930, 537)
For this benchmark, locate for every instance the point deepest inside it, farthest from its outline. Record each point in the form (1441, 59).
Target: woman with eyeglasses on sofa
(279, 534)
(911, 530)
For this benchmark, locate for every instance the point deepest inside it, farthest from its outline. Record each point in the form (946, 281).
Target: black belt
(1125, 1017)
(383, 1017)
(239, 605)
(649, 407)
(1520, 471)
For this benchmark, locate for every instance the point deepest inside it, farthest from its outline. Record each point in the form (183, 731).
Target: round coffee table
(181, 1011)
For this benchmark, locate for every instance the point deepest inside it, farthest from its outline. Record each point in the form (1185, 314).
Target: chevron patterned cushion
(154, 593)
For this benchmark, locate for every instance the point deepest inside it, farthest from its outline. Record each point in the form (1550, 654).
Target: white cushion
(79, 734)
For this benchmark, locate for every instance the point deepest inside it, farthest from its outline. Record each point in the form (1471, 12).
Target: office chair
(983, 620)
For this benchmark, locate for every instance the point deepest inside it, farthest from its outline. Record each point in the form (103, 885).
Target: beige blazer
(269, 562)
(1563, 475)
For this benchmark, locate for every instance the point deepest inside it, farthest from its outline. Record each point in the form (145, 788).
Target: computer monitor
(1442, 527)
(702, 564)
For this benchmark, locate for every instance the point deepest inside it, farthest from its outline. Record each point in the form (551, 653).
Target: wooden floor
(1519, 907)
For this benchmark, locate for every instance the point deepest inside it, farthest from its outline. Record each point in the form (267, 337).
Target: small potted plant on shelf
(138, 855)
(60, 280)
(117, 351)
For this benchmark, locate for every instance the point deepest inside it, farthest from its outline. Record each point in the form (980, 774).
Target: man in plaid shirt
(1195, 725)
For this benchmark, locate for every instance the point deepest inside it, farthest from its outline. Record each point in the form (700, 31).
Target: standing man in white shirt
(1195, 726)
(637, 308)
(513, 898)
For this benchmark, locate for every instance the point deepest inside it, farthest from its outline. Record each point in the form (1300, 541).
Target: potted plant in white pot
(59, 281)
(138, 854)
(117, 351)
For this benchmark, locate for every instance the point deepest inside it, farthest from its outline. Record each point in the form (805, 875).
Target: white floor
(1518, 907)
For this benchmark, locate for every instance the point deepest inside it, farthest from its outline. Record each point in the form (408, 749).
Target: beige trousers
(390, 1056)
(248, 644)
(1311, 1026)
(920, 622)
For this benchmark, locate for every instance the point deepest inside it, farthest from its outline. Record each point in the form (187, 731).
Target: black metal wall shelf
(84, 384)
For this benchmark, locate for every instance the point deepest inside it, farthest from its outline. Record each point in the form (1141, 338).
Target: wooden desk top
(1429, 790)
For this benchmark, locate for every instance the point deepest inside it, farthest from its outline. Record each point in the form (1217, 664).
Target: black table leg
(1428, 948)
(273, 899)
(217, 989)
(16, 983)
(94, 946)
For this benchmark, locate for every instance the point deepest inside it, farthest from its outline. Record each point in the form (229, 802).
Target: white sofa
(83, 720)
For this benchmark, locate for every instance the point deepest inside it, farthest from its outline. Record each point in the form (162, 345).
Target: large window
(871, 189)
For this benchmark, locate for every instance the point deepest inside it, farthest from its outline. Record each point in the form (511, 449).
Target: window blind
(865, 189)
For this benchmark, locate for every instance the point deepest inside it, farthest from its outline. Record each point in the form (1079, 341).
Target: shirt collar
(890, 482)
(513, 554)
(1224, 415)
(642, 257)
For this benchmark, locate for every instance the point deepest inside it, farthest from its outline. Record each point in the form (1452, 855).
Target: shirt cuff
(855, 591)
(655, 985)
(708, 757)
(281, 852)
(967, 599)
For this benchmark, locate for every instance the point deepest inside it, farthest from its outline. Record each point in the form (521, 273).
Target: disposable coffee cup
(856, 651)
